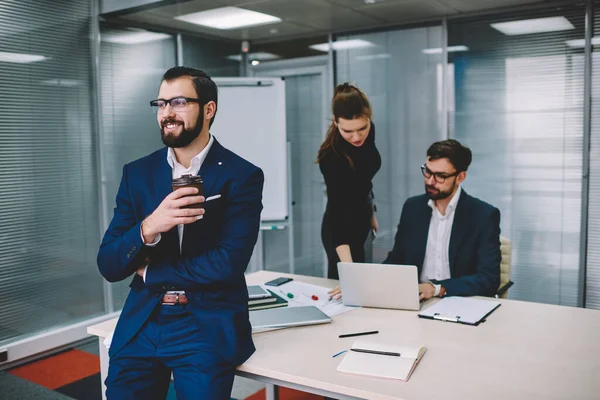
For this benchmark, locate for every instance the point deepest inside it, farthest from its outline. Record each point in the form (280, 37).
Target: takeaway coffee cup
(189, 181)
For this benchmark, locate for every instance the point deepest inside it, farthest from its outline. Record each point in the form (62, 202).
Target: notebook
(382, 366)
(462, 310)
(274, 301)
(262, 301)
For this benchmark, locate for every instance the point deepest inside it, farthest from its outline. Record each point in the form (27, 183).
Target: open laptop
(379, 285)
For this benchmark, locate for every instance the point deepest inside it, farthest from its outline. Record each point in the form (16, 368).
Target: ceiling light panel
(536, 25)
(228, 18)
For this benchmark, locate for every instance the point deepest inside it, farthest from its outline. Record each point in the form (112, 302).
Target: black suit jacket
(474, 251)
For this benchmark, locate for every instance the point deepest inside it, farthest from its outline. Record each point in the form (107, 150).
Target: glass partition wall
(518, 84)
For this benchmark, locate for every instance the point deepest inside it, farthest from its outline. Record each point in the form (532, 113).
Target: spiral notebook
(392, 362)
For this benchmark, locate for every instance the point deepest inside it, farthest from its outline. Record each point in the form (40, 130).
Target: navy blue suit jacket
(474, 251)
(214, 256)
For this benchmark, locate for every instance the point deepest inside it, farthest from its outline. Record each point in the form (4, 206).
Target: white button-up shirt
(178, 171)
(436, 264)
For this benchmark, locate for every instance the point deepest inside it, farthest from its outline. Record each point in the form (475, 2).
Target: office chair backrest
(506, 250)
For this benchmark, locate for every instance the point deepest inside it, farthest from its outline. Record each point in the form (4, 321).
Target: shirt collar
(196, 161)
(451, 206)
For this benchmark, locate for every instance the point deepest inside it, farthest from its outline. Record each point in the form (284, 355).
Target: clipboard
(461, 310)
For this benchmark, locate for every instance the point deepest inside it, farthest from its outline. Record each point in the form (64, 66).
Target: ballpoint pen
(381, 353)
(337, 354)
(358, 334)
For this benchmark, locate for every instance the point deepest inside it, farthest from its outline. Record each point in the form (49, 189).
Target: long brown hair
(349, 102)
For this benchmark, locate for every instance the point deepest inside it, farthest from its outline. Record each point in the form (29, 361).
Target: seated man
(452, 238)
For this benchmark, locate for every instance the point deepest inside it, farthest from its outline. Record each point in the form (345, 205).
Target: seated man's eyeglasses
(177, 103)
(440, 177)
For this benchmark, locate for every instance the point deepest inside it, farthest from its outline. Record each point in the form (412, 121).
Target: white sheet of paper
(108, 340)
(303, 293)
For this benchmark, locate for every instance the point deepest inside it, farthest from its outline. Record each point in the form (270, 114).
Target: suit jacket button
(134, 248)
(128, 255)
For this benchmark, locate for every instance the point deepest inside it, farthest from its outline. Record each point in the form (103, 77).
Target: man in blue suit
(452, 238)
(187, 311)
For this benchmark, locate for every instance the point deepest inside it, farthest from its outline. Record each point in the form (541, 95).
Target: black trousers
(357, 245)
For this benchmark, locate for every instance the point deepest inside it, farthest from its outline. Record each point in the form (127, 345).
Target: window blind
(519, 105)
(132, 63)
(592, 298)
(48, 176)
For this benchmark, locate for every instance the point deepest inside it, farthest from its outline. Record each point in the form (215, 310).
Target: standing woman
(348, 160)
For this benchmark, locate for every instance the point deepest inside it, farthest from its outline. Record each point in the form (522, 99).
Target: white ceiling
(302, 18)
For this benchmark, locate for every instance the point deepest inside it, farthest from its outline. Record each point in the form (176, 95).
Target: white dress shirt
(178, 171)
(437, 264)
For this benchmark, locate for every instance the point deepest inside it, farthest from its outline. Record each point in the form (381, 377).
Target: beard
(437, 194)
(186, 136)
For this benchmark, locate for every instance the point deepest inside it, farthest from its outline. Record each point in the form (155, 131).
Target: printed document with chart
(303, 296)
(393, 362)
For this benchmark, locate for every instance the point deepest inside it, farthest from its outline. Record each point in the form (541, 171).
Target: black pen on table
(358, 334)
(381, 353)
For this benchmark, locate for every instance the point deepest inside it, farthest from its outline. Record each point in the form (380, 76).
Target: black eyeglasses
(439, 177)
(177, 103)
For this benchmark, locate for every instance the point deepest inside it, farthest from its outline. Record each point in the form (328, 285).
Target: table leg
(103, 365)
(272, 392)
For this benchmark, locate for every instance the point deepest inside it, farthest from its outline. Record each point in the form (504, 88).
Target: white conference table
(523, 351)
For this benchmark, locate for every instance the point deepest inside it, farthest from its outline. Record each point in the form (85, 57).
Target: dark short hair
(206, 88)
(460, 156)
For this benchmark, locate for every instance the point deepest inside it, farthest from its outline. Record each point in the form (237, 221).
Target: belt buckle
(177, 299)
